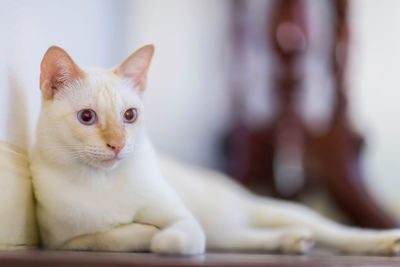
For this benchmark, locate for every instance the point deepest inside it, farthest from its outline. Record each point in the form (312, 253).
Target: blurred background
(213, 97)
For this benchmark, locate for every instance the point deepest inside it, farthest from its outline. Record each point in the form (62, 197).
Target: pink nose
(116, 147)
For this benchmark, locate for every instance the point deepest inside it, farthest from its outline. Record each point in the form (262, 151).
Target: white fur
(79, 195)
(136, 204)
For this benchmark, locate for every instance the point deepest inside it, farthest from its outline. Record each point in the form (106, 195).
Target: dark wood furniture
(284, 150)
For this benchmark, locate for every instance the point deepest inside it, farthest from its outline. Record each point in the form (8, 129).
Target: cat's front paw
(174, 241)
(297, 241)
(395, 247)
(392, 247)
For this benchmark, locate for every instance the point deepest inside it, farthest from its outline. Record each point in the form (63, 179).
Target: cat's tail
(17, 128)
(273, 213)
(17, 220)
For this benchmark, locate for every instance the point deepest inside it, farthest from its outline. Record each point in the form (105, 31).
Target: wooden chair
(264, 156)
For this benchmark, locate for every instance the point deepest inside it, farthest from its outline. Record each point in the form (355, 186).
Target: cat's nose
(116, 147)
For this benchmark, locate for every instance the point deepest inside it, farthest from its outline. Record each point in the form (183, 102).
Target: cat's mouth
(111, 161)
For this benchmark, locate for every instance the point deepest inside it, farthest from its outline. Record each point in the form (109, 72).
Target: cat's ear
(57, 69)
(135, 67)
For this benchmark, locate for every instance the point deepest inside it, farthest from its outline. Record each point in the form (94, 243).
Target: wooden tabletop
(98, 259)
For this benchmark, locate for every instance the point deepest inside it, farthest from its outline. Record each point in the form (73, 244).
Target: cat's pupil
(130, 115)
(87, 115)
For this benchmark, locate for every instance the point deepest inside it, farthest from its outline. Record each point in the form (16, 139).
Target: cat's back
(213, 197)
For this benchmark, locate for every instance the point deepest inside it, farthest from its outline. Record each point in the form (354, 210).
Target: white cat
(100, 186)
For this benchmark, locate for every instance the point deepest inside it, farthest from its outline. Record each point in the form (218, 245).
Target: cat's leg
(129, 237)
(271, 213)
(286, 239)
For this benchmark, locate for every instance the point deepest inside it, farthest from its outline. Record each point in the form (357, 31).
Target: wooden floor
(99, 259)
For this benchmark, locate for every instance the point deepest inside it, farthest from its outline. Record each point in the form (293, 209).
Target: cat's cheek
(84, 134)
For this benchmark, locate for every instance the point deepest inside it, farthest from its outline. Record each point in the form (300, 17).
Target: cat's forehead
(103, 89)
(102, 82)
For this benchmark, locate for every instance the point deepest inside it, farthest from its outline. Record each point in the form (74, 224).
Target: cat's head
(92, 117)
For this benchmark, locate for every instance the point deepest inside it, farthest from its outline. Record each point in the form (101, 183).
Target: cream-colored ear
(57, 69)
(135, 67)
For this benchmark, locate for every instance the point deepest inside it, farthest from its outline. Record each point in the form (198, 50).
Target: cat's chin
(106, 164)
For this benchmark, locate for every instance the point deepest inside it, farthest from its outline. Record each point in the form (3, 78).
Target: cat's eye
(87, 116)
(130, 115)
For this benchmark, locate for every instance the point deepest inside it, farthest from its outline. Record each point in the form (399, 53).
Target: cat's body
(72, 203)
(100, 185)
